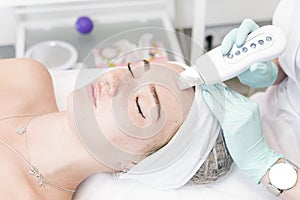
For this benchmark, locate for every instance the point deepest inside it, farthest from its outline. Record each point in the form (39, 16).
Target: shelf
(37, 25)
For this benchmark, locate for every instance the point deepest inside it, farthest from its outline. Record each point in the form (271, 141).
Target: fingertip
(241, 39)
(228, 41)
(253, 67)
(247, 26)
(259, 68)
(225, 49)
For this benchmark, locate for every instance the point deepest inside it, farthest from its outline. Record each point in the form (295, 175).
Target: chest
(17, 183)
(13, 178)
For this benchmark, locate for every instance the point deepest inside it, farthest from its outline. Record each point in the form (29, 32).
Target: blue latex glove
(259, 75)
(240, 120)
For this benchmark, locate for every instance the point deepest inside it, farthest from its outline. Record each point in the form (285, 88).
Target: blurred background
(37, 28)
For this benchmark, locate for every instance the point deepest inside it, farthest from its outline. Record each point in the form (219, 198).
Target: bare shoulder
(28, 80)
(23, 69)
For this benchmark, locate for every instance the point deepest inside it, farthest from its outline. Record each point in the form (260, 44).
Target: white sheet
(234, 187)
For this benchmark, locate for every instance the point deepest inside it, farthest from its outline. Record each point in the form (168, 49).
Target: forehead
(177, 67)
(141, 74)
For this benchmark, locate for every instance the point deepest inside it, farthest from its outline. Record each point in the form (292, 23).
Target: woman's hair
(216, 166)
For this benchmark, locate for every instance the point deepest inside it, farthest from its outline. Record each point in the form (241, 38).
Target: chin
(79, 105)
(70, 101)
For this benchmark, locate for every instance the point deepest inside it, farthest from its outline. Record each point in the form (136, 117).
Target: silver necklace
(32, 169)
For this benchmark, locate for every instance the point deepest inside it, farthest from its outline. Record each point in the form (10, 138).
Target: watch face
(283, 176)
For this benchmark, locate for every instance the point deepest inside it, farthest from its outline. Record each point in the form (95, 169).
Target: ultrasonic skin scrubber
(264, 44)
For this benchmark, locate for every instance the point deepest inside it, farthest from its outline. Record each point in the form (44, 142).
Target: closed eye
(156, 99)
(139, 107)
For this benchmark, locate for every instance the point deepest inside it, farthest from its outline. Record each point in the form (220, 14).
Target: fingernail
(258, 69)
(224, 51)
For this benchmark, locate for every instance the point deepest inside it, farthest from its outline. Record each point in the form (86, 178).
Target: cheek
(112, 130)
(174, 119)
(118, 137)
(173, 110)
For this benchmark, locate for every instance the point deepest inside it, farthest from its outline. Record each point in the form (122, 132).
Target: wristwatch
(282, 176)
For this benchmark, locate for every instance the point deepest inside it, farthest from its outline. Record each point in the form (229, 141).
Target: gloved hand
(259, 75)
(240, 120)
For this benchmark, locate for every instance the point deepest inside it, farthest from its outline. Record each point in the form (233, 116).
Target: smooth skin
(53, 147)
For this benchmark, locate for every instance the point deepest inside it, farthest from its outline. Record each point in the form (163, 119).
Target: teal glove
(240, 120)
(259, 75)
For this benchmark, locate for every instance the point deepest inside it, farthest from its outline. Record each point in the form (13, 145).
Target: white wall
(220, 12)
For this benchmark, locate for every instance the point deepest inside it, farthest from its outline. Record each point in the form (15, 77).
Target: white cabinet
(113, 20)
(43, 15)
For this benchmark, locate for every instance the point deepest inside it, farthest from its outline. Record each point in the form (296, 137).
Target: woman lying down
(132, 123)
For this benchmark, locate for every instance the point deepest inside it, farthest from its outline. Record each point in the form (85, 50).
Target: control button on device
(261, 42)
(244, 49)
(253, 46)
(230, 56)
(237, 53)
(268, 38)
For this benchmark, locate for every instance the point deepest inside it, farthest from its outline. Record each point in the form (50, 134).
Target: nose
(110, 80)
(113, 84)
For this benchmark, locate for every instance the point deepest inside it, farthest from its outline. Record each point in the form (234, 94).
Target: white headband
(175, 164)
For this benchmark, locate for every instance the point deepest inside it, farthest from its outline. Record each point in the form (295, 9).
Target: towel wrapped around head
(194, 144)
(196, 154)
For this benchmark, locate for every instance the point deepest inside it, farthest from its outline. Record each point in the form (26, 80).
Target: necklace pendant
(20, 130)
(35, 172)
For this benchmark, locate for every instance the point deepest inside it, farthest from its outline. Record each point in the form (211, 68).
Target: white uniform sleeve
(286, 17)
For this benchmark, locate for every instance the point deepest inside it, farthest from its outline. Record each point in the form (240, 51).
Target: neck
(57, 152)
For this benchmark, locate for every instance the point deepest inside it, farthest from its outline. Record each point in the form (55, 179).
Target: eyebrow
(156, 99)
(146, 65)
(129, 68)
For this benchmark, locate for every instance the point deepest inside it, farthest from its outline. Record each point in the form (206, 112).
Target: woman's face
(136, 112)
